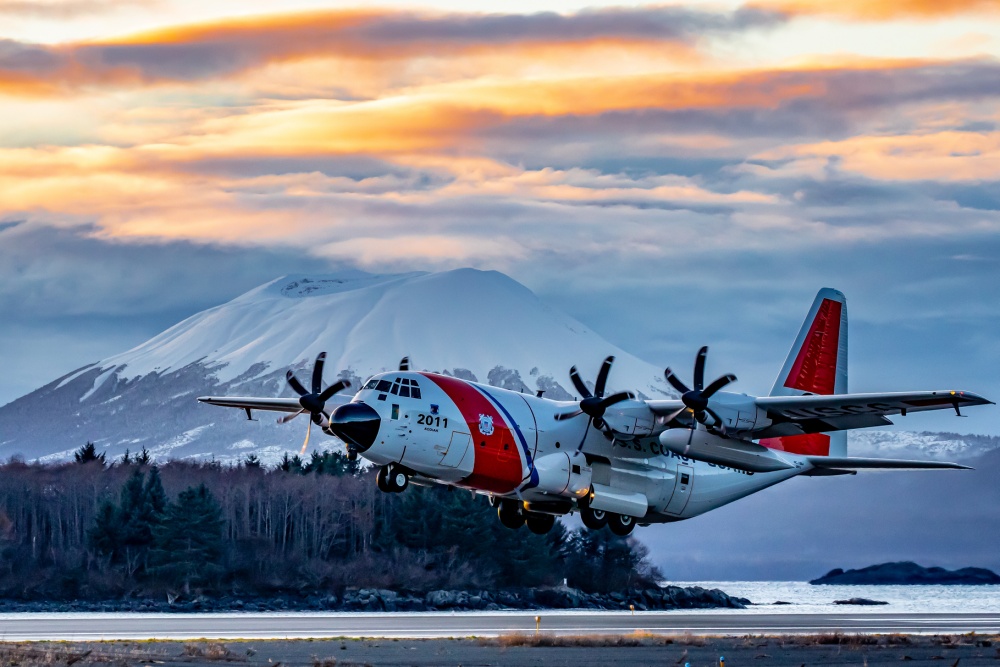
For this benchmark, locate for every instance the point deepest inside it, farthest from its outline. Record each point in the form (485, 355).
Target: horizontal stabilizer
(849, 463)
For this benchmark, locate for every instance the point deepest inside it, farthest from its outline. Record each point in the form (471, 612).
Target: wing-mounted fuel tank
(701, 445)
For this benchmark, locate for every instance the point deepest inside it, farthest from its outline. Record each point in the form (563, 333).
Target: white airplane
(615, 459)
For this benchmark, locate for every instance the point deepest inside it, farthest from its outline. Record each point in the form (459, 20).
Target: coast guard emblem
(434, 408)
(486, 424)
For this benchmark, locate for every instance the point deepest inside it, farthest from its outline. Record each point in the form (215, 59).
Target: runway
(90, 627)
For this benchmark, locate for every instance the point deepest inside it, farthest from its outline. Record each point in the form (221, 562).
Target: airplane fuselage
(509, 445)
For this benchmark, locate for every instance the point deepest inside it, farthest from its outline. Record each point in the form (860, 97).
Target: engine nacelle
(563, 475)
(740, 454)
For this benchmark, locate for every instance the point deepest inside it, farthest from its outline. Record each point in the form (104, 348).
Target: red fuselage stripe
(497, 465)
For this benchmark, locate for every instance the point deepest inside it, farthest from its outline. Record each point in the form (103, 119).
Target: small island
(909, 574)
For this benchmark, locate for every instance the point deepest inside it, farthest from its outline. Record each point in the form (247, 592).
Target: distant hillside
(908, 573)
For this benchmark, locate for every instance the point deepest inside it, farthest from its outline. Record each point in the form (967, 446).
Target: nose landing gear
(392, 479)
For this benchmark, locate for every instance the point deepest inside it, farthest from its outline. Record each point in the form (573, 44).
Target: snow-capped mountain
(472, 324)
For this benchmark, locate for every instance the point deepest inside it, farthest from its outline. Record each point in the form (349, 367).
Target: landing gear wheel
(540, 524)
(621, 524)
(381, 482)
(593, 519)
(391, 479)
(510, 514)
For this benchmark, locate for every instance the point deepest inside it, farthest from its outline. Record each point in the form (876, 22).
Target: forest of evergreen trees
(99, 530)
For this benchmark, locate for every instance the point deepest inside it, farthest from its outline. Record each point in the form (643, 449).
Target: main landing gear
(513, 516)
(619, 524)
(392, 479)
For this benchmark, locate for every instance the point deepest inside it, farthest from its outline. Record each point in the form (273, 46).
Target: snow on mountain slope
(474, 324)
(464, 319)
(922, 445)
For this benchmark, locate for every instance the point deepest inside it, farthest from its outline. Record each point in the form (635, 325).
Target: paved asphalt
(84, 627)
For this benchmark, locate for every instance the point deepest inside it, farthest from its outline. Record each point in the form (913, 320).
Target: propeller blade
(718, 384)
(602, 377)
(568, 415)
(719, 425)
(699, 368)
(404, 364)
(675, 382)
(288, 418)
(333, 389)
(317, 379)
(296, 385)
(306, 443)
(616, 398)
(578, 383)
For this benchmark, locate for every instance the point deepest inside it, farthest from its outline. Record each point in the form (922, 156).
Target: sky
(672, 175)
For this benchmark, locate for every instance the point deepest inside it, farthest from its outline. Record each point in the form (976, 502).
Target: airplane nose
(356, 423)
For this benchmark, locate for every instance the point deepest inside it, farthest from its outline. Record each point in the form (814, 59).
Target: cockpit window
(371, 384)
(415, 391)
(404, 391)
(395, 389)
(383, 385)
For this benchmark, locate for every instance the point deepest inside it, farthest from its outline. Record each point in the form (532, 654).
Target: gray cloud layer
(225, 50)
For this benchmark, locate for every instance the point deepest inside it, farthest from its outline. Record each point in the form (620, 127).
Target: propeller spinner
(595, 404)
(696, 400)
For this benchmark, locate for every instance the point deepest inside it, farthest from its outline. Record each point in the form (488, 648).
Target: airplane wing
(849, 463)
(250, 403)
(797, 415)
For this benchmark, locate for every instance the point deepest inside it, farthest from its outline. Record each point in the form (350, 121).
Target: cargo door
(682, 489)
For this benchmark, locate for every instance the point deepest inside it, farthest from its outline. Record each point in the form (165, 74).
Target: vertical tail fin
(816, 364)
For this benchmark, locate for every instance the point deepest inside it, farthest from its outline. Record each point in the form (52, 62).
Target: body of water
(808, 599)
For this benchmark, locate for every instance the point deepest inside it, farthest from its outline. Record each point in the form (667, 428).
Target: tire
(540, 524)
(381, 482)
(510, 514)
(621, 524)
(593, 519)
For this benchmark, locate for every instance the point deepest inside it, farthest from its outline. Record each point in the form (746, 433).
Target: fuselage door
(457, 449)
(682, 489)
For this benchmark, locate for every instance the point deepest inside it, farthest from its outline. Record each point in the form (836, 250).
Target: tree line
(91, 529)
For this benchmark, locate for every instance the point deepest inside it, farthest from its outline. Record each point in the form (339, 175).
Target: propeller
(313, 402)
(696, 400)
(595, 404)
